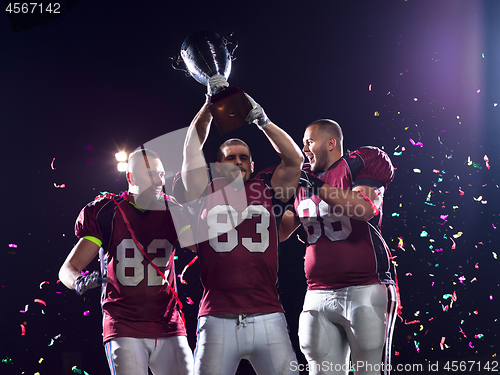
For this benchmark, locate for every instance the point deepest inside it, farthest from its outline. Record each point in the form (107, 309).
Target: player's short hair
(330, 127)
(232, 142)
(142, 152)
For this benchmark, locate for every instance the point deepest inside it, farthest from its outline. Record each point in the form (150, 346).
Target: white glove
(215, 84)
(257, 114)
(88, 281)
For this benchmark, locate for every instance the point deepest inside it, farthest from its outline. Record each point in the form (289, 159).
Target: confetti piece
(441, 344)
(459, 234)
(25, 309)
(412, 322)
(43, 283)
(376, 114)
(494, 255)
(52, 164)
(78, 371)
(487, 161)
(424, 234)
(454, 246)
(401, 244)
(85, 313)
(40, 360)
(479, 336)
(62, 186)
(181, 276)
(417, 344)
(408, 274)
(416, 170)
(189, 301)
(40, 301)
(23, 330)
(300, 239)
(472, 346)
(416, 144)
(13, 245)
(370, 87)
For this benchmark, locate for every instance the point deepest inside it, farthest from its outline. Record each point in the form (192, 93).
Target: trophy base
(229, 108)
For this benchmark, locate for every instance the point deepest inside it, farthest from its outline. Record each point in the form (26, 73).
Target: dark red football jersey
(236, 232)
(340, 251)
(136, 302)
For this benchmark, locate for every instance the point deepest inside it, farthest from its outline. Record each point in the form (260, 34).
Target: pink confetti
(13, 245)
(444, 217)
(370, 87)
(412, 322)
(189, 301)
(40, 301)
(493, 225)
(62, 186)
(25, 309)
(300, 239)
(441, 344)
(487, 161)
(454, 246)
(474, 279)
(43, 283)
(85, 313)
(23, 330)
(52, 164)
(470, 344)
(476, 266)
(408, 274)
(416, 144)
(462, 332)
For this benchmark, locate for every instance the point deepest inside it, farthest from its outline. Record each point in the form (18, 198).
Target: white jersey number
(224, 219)
(130, 268)
(334, 226)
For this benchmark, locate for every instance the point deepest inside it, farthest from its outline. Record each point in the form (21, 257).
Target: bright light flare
(121, 156)
(122, 166)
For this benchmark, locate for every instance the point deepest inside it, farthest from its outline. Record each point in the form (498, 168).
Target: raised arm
(194, 166)
(286, 176)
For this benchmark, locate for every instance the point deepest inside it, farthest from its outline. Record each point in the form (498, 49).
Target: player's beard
(320, 160)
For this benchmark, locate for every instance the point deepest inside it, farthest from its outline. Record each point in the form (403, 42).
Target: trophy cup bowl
(204, 55)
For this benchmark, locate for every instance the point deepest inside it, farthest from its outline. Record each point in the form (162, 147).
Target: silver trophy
(205, 54)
